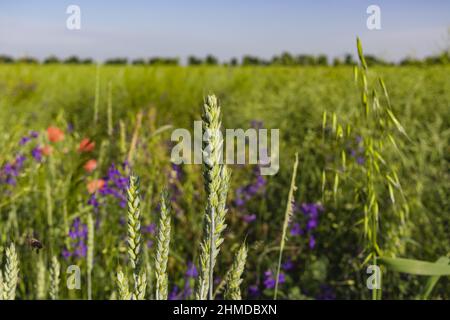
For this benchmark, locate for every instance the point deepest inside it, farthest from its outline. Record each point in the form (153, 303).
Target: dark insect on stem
(34, 244)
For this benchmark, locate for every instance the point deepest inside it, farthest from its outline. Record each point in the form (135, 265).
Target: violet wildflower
(174, 294)
(296, 230)
(312, 241)
(249, 217)
(115, 186)
(191, 271)
(24, 140)
(311, 211)
(244, 194)
(269, 279)
(11, 170)
(78, 235)
(150, 228)
(288, 265)
(357, 152)
(253, 291)
(36, 153)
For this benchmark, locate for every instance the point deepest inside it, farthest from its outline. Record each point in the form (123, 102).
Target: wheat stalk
(11, 273)
(134, 238)
(140, 285)
(134, 223)
(216, 180)
(1, 285)
(287, 217)
(162, 250)
(234, 280)
(55, 273)
(122, 284)
(97, 94)
(109, 111)
(40, 283)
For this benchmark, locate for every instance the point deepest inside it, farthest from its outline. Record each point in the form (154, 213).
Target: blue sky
(225, 28)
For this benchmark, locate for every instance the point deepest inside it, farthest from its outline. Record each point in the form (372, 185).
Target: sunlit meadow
(86, 180)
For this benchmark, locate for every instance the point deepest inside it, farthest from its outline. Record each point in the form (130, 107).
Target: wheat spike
(162, 250)
(234, 280)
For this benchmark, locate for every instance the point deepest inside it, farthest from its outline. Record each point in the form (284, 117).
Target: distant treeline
(285, 59)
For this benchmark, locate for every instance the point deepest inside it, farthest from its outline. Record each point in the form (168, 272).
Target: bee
(34, 244)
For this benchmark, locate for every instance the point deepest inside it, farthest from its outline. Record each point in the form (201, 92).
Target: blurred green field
(292, 99)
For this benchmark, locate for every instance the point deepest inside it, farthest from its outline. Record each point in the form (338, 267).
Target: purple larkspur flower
(78, 235)
(312, 242)
(11, 170)
(269, 279)
(191, 271)
(288, 265)
(66, 253)
(150, 228)
(149, 243)
(311, 211)
(253, 290)
(36, 153)
(249, 217)
(296, 230)
(115, 186)
(174, 293)
(24, 140)
(360, 160)
(246, 193)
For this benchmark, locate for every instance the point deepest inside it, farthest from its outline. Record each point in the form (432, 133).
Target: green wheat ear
(55, 273)
(11, 273)
(162, 249)
(134, 238)
(234, 280)
(41, 281)
(122, 284)
(134, 222)
(216, 181)
(1, 284)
